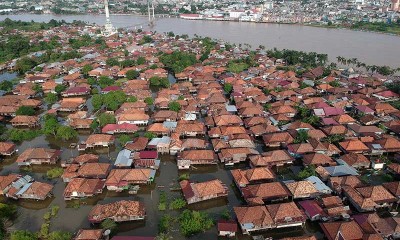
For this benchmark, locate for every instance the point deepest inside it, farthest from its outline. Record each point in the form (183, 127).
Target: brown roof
(353, 145)
(98, 138)
(122, 210)
(89, 234)
(244, 177)
(5, 181)
(118, 175)
(348, 230)
(301, 188)
(257, 215)
(271, 158)
(37, 153)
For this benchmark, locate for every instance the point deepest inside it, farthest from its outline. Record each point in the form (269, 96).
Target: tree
(131, 99)
(60, 88)
(132, 74)
(6, 86)
(141, 61)
(149, 100)
(113, 100)
(105, 119)
(25, 64)
(51, 98)
(237, 67)
(26, 110)
(307, 172)
(165, 223)
(19, 135)
(7, 211)
(50, 125)
(156, 81)
(174, 106)
(66, 133)
(178, 203)
(334, 138)
(58, 235)
(228, 88)
(23, 235)
(105, 81)
(178, 60)
(149, 135)
(109, 224)
(86, 69)
(112, 62)
(301, 137)
(123, 139)
(192, 222)
(97, 101)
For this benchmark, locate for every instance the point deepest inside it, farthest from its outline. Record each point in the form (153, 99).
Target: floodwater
(370, 48)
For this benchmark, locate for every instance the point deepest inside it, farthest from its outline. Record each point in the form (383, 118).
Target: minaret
(108, 27)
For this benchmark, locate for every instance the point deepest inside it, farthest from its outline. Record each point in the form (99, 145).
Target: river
(371, 48)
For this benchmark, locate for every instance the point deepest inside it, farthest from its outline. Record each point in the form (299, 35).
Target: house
(161, 144)
(317, 159)
(353, 146)
(38, 156)
(121, 179)
(277, 139)
(369, 198)
(197, 192)
(133, 118)
(99, 140)
(25, 121)
(257, 194)
(147, 163)
(89, 234)
(230, 156)
(271, 158)
(251, 176)
(83, 188)
(336, 183)
(119, 128)
(7, 148)
(121, 211)
(280, 215)
(227, 228)
(302, 189)
(190, 128)
(124, 159)
(357, 161)
(76, 91)
(137, 144)
(71, 104)
(26, 188)
(195, 157)
(342, 230)
(80, 160)
(78, 123)
(6, 182)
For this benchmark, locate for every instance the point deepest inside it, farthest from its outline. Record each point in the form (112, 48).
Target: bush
(192, 222)
(58, 235)
(23, 235)
(44, 230)
(54, 173)
(184, 176)
(66, 133)
(149, 135)
(54, 210)
(178, 203)
(165, 223)
(162, 205)
(7, 211)
(159, 82)
(109, 224)
(174, 106)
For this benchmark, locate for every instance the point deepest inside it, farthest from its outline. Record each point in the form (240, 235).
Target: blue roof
(124, 158)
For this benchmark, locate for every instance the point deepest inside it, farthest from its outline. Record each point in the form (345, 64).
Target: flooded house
(122, 179)
(82, 188)
(120, 211)
(188, 158)
(202, 191)
(37, 156)
(7, 148)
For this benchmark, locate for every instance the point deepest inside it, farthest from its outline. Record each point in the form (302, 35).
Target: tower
(108, 27)
(150, 10)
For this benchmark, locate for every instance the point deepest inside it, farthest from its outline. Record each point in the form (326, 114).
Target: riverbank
(341, 27)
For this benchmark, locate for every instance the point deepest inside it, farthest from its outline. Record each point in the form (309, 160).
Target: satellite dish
(107, 232)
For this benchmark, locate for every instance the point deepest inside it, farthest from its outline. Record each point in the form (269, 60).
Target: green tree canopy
(26, 110)
(124, 138)
(105, 81)
(60, 88)
(156, 81)
(86, 69)
(51, 98)
(228, 88)
(23, 235)
(132, 74)
(192, 222)
(6, 86)
(58, 235)
(66, 133)
(178, 60)
(106, 118)
(174, 106)
(149, 100)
